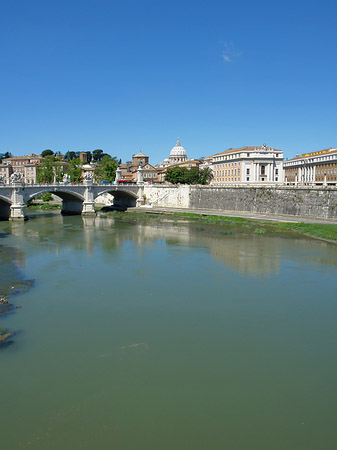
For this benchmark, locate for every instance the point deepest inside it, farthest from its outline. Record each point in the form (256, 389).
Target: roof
(317, 153)
(246, 149)
(139, 155)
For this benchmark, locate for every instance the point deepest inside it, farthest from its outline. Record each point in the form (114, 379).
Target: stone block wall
(304, 202)
(168, 196)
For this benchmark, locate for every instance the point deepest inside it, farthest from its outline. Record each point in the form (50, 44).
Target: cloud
(229, 52)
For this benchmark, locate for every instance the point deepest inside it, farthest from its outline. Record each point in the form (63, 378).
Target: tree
(69, 156)
(97, 154)
(75, 170)
(58, 172)
(58, 155)
(183, 175)
(177, 175)
(107, 169)
(5, 155)
(47, 152)
(205, 175)
(45, 171)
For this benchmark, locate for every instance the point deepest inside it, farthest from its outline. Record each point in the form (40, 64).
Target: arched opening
(72, 203)
(122, 199)
(5, 209)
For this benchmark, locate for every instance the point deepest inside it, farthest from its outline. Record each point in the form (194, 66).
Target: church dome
(178, 154)
(178, 151)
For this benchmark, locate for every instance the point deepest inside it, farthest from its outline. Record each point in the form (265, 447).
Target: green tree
(75, 170)
(183, 175)
(5, 155)
(205, 175)
(58, 172)
(177, 175)
(69, 156)
(106, 170)
(45, 171)
(97, 154)
(47, 152)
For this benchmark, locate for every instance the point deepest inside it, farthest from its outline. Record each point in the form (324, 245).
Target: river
(162, 335)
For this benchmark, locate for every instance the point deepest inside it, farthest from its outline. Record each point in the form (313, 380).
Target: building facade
(26, 166)
(130, 168)
(316, 168)
(248, 165)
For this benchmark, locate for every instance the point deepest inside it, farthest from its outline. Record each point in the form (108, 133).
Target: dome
(178, 151)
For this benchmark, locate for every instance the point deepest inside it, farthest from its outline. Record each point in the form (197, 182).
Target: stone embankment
(314, 202)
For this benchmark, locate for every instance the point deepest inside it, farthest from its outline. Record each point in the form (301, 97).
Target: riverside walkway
(244, 215)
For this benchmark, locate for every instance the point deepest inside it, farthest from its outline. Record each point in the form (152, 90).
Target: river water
(166, 336)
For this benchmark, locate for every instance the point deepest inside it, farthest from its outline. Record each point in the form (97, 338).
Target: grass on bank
(44, 206)
(315, 230)
(318, 230)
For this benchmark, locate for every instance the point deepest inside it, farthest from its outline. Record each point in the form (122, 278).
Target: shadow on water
(12, 283)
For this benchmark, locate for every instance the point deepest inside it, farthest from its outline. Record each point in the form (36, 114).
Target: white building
(248, 165)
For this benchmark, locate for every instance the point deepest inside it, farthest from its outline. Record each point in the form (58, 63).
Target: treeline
(95, 156)
(53, 167)
(183, 175)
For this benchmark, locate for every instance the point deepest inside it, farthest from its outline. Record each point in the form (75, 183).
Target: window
(247, 155)
(247, 171)
(263, 170)
(276, 171)
(247, 178)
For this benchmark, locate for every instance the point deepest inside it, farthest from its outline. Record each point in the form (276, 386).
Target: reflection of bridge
(76, 198)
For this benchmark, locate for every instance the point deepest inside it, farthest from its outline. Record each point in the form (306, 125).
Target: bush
(47, 197)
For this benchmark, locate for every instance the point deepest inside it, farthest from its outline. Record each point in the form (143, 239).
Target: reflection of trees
(245, 253)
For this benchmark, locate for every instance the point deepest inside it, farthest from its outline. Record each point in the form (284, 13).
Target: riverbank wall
(315, 202)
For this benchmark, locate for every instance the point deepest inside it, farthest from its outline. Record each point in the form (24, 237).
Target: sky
(129, 76)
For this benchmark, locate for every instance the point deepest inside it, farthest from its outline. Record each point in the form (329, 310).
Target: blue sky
(130, 75)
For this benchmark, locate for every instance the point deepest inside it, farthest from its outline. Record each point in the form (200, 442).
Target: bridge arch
(5, 208)
(121, 197)
(59, 192)
(72, 202)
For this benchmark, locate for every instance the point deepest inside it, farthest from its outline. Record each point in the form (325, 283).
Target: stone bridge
(76, 198)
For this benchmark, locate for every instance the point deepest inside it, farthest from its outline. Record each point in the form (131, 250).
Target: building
(316, 168)
(25, 165)
(130, 168)
(178, 154)
(248, 165)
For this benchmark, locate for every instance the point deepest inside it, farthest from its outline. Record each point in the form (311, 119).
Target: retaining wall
(303, 202)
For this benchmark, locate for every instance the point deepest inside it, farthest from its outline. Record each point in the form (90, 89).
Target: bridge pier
(88, 208)
(18, 207)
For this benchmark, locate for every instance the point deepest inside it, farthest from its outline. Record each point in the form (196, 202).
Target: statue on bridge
(16, 177)
(2, 179)
(66, 178)
(88, 176)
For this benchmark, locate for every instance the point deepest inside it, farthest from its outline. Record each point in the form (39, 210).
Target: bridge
(76, 198)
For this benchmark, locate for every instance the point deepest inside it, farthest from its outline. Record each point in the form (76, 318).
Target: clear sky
(134, 75)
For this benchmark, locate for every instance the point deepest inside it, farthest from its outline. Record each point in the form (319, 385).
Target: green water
(158, 337)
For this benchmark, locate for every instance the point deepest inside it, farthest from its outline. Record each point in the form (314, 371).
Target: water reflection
(245, 253)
